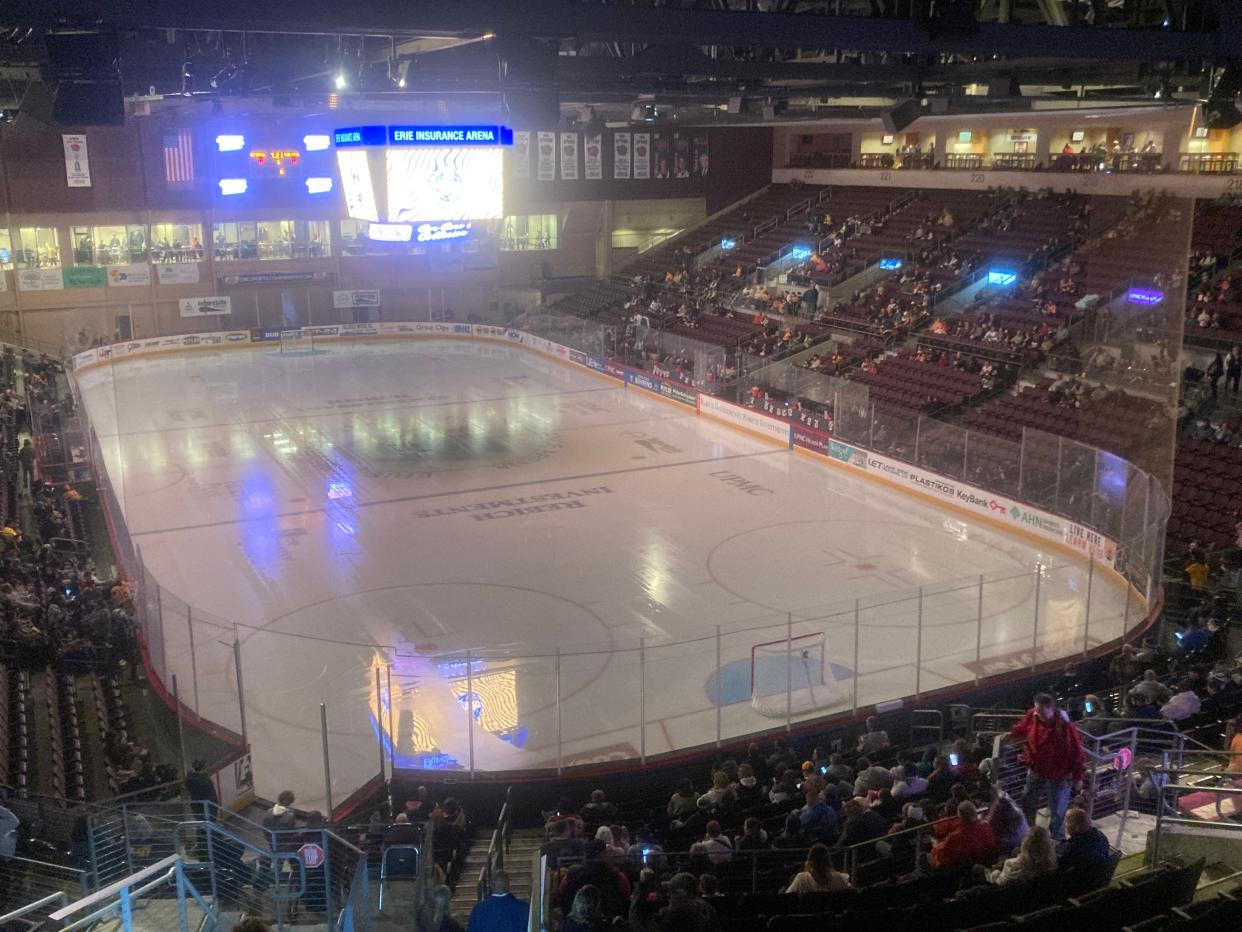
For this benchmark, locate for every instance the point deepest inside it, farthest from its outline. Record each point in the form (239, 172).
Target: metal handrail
(165, 866)
(38, 905)
(497, 847)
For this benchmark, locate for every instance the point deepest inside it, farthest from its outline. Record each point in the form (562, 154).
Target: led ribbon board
(1144, 296)
(890, 265)
(1002, 277)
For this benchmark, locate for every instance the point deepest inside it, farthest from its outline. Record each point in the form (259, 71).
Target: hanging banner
(519, 155)
(40, 279)
(569, 156)
(77, 163)
(660, 144)
(698, 152)
(547, 156)
(681, 155)
(121, 276)
(594, 158)
(177, 273)
(642, 156)
(621, 155)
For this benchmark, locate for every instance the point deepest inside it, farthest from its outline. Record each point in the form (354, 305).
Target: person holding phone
(1054, 760)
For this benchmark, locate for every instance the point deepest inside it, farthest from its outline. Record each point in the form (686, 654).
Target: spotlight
(340, 81)
(398, 71)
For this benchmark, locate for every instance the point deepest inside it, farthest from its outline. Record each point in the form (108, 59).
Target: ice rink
(382, 505)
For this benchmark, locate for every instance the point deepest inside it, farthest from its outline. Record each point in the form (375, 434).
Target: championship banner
(621, 155)
(519, 155)
(547, 156)
(642, 156)
(77, 162)
(594, 158)
(569, 156)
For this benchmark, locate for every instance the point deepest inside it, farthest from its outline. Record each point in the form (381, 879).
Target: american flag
(179, 157)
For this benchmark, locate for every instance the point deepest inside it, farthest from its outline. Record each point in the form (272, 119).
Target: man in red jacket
(1054, 759)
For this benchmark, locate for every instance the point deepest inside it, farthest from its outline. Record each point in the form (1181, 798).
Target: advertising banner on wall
(366, 297)
(747, 418)
(621, 143)
(177, 273)
(40, 280)
(519, 155)
(546, 155)
(86, 276)
(642, 156)
(77, 162)
(205, 307)
(594, 157)
(128, 276)
(569, 156)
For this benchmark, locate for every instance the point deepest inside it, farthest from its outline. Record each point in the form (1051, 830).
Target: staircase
(517, 860)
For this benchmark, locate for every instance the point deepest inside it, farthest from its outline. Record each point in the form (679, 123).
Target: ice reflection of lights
(260, 524)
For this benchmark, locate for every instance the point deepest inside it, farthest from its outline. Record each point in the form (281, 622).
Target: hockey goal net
(296, 341)
(792, 676)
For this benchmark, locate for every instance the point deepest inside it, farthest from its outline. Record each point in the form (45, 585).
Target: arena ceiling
(772, 59)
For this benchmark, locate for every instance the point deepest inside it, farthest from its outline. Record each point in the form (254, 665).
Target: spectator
(585, 913)
(753, 837)
(1094, 722)
(436, 914)
(1008, 823)
(748, 791)
(683, 803)
(871, 778)
(686, 911)
(940, 781)
(419, 808)
(500, 912)
(612, 886)
(873, 740)
(26, 459)
(281, 816)
(402, 832)
(970, 842)
(645, 904)
(862, 824)
(1234, 747)
(1181, 705)
(1086, 850)
(758, 763)
(715, 846)
(1038, 856)
(564, 842)
(819, 820)
(599, 811)
(838, 770)
(1151, 689)
(817, 874)
(201, 789)
(907, 784)
(792, 837)
(786, 789)
(1054, 760)
(1196, 571)
(720, 796)
(645, 852)
(614, 854)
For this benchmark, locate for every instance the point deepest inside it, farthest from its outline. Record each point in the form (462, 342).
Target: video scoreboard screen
(452, 183)
(450, 176)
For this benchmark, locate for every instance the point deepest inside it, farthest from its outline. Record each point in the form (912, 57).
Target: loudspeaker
(82, 53)
(89, 103)
(901, 116)
(34, 113)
